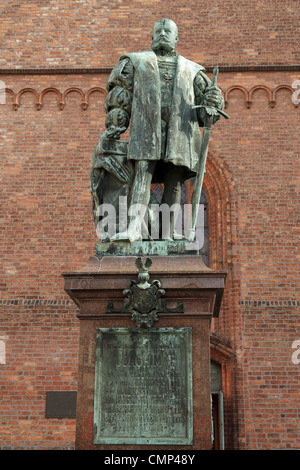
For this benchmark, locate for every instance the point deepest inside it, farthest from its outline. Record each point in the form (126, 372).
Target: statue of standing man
(156, 91)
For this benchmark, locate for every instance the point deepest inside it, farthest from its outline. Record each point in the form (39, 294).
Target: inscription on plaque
(143, 386)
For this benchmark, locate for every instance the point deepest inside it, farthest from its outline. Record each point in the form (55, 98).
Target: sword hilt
(213, 83)
(219, 111)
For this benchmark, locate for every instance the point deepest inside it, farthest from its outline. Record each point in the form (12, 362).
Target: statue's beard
(162, 44)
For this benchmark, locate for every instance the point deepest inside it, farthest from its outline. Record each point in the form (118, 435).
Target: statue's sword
(210, 113)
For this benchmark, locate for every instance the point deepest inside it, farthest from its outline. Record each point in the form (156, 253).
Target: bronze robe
(183, 142)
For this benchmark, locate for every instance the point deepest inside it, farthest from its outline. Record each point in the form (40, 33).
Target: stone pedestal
(186, 280)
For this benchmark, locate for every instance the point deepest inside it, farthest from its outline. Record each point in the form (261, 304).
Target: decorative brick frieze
(84, 96)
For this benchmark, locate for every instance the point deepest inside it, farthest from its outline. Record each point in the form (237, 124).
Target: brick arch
(21, 92)
(264, 88)
(222, 212)
(221, 193)
(236, 87)
(44, 92)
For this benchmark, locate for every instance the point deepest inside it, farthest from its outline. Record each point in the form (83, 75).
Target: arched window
(217, 412)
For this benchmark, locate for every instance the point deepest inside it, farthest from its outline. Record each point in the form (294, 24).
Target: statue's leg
(172, 197)
(140, 191)
(139, 199)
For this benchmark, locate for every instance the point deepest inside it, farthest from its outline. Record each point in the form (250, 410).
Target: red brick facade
(51, 122)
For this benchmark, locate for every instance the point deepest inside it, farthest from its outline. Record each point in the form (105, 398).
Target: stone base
(147, 248)
(185, 279)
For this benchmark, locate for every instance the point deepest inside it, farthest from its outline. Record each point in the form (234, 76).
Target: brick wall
(89, 33)
(46, 218)
(41, 339)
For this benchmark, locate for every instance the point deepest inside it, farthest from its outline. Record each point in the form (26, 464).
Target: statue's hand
(213, 97)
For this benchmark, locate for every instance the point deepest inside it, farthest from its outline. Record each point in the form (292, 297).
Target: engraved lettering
(143, 392)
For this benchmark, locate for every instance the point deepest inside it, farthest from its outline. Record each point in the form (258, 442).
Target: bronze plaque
(61, 404)
(143, 386)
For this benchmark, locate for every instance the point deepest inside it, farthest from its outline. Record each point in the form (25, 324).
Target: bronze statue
(164, 97)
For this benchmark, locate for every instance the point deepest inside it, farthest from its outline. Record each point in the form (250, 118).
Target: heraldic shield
(143, 299)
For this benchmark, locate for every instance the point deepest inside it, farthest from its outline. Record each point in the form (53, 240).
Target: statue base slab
(148, 248)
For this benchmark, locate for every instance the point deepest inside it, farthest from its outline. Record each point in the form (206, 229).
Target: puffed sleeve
(118, 101)
(201, 83)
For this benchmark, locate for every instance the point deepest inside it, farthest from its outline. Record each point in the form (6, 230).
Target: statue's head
(165, 35)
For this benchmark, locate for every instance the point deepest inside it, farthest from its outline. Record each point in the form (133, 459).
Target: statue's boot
(136, 231)
(133, 234)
